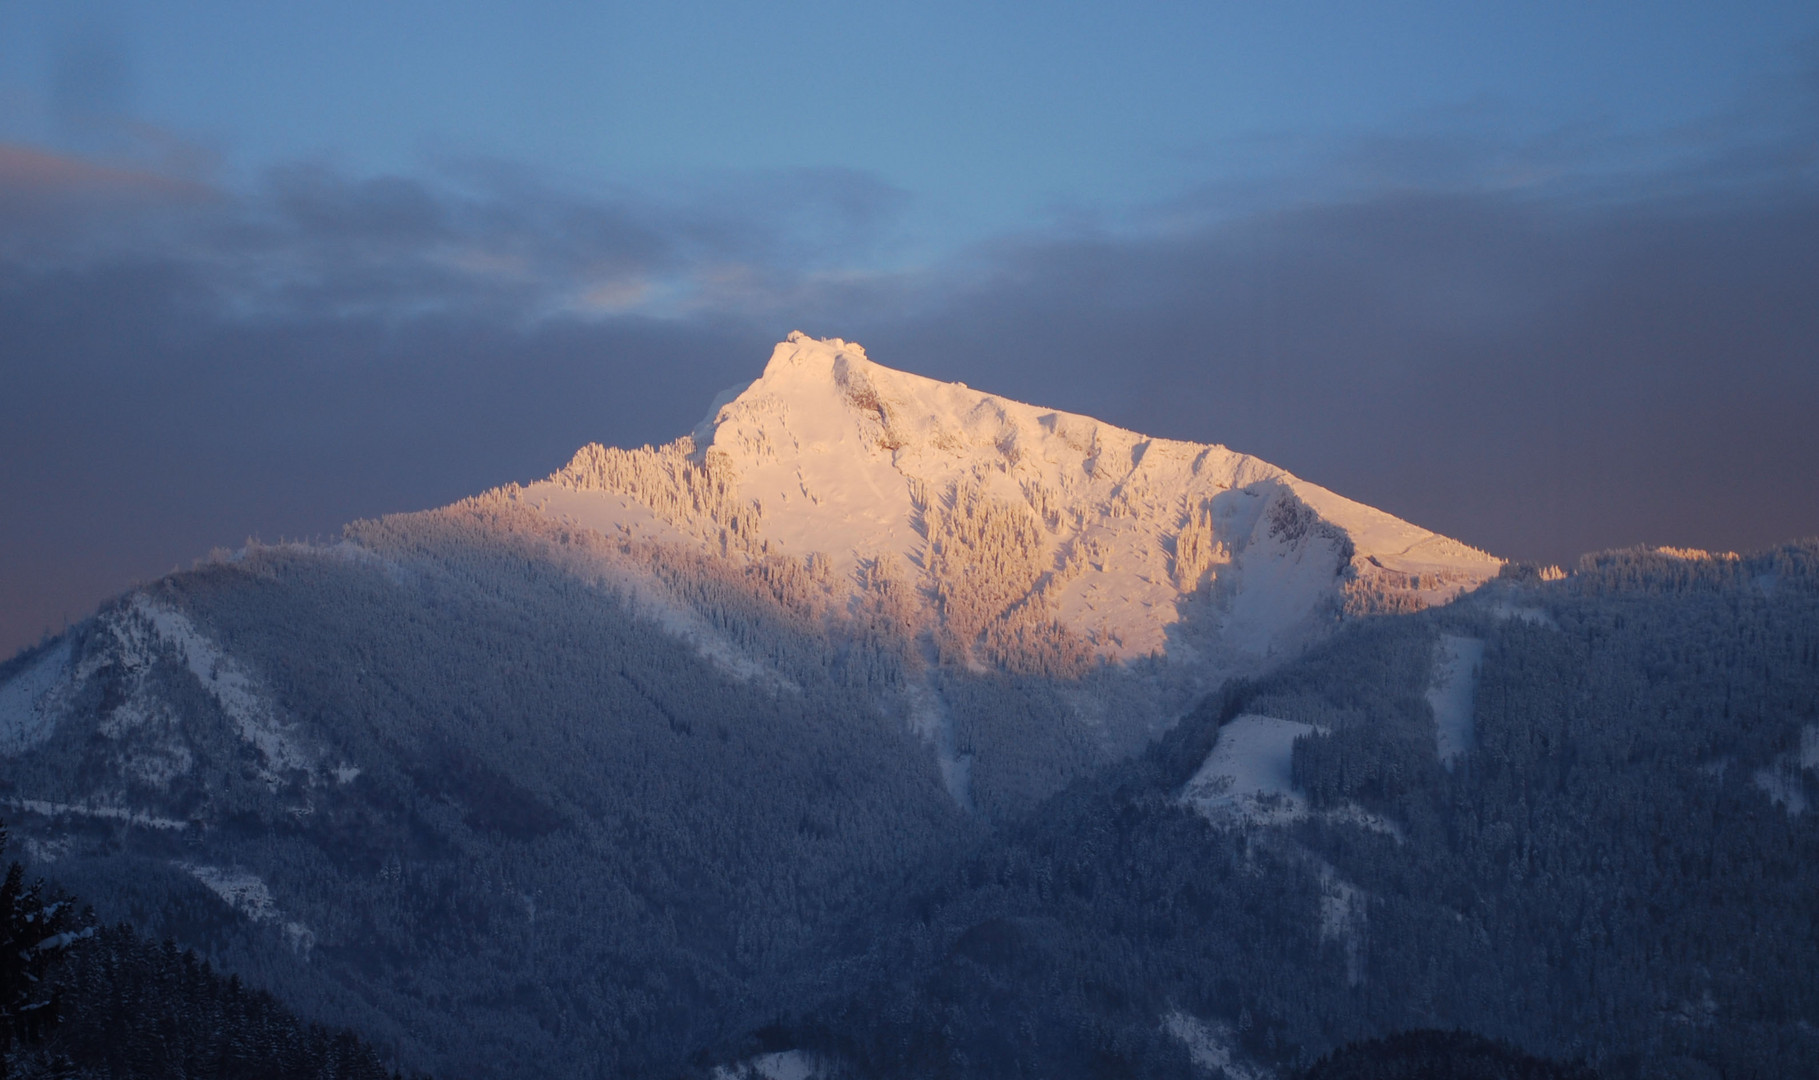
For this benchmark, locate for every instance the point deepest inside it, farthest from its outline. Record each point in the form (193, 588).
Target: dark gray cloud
(1536, 378)
(185, 368)
(1538, 360)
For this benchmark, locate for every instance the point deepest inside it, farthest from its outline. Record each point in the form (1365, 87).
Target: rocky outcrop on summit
(1027, 539)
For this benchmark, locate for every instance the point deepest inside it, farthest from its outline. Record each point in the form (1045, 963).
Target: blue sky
(982, 118)
(1541, 276)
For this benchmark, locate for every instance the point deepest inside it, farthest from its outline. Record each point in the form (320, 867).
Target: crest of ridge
(1006, 521)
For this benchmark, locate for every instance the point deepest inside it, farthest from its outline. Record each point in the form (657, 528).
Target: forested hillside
(515, 797)
(86, 1002)
(455, 795)
(1620, 868)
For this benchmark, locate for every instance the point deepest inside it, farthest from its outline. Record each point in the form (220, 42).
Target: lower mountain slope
(78, 1001)
(1618, 866)
(460, 783)
(440, 787)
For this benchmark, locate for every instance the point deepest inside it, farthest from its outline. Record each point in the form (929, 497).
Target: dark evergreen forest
(1604, 877)
(503, 823)
(82, 1002)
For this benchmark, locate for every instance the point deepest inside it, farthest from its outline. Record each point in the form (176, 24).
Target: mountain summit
(1018, 536)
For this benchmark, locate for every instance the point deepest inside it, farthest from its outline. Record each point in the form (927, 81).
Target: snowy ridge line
(1036, 540)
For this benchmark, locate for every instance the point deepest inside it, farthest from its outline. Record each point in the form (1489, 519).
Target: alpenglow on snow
(1021, 537)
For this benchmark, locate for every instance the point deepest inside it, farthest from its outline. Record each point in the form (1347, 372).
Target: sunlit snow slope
(1028, 539)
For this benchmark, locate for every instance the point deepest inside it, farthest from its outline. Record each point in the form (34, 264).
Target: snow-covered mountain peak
(1022, 530)
(820, 396)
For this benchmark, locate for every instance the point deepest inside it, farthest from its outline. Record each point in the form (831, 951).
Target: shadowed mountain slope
(851, 727)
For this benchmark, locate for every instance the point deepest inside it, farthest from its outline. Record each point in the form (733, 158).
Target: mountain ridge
(522, 796)
(1100, 540)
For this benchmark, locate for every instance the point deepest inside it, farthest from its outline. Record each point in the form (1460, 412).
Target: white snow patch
(1248, 773)
(784, 1065)
(605, 512)
(46, 851)
(930, 718)
(1455, 682)
(1783, 780)
(243, 891)
(233, 687)
(684, 624)
(109, 813)
(837, 456)
(349, 551)
(345, 774)
(1343, 919)
(1783, 787)
(300, 938)
(247, 894)
(1210, 1046)
(644, 594)
(1280, 584)
(29, 705)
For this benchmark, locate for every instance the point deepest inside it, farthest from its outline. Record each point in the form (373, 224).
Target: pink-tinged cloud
(30, 172)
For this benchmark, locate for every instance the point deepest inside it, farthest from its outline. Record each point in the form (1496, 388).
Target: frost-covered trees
(1198, 550)
(987, 560)
(36, 926)
(679, 489)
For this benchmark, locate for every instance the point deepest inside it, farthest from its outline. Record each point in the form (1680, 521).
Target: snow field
(830, 454)
(1249, 773)
(1450, 695)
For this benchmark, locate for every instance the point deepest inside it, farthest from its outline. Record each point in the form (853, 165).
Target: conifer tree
(34, 928)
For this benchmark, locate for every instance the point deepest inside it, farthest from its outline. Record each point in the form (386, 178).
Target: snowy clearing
(1343, 919)
(232, 687)
(1450, 695)
(247, 894)
(1248, 773)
